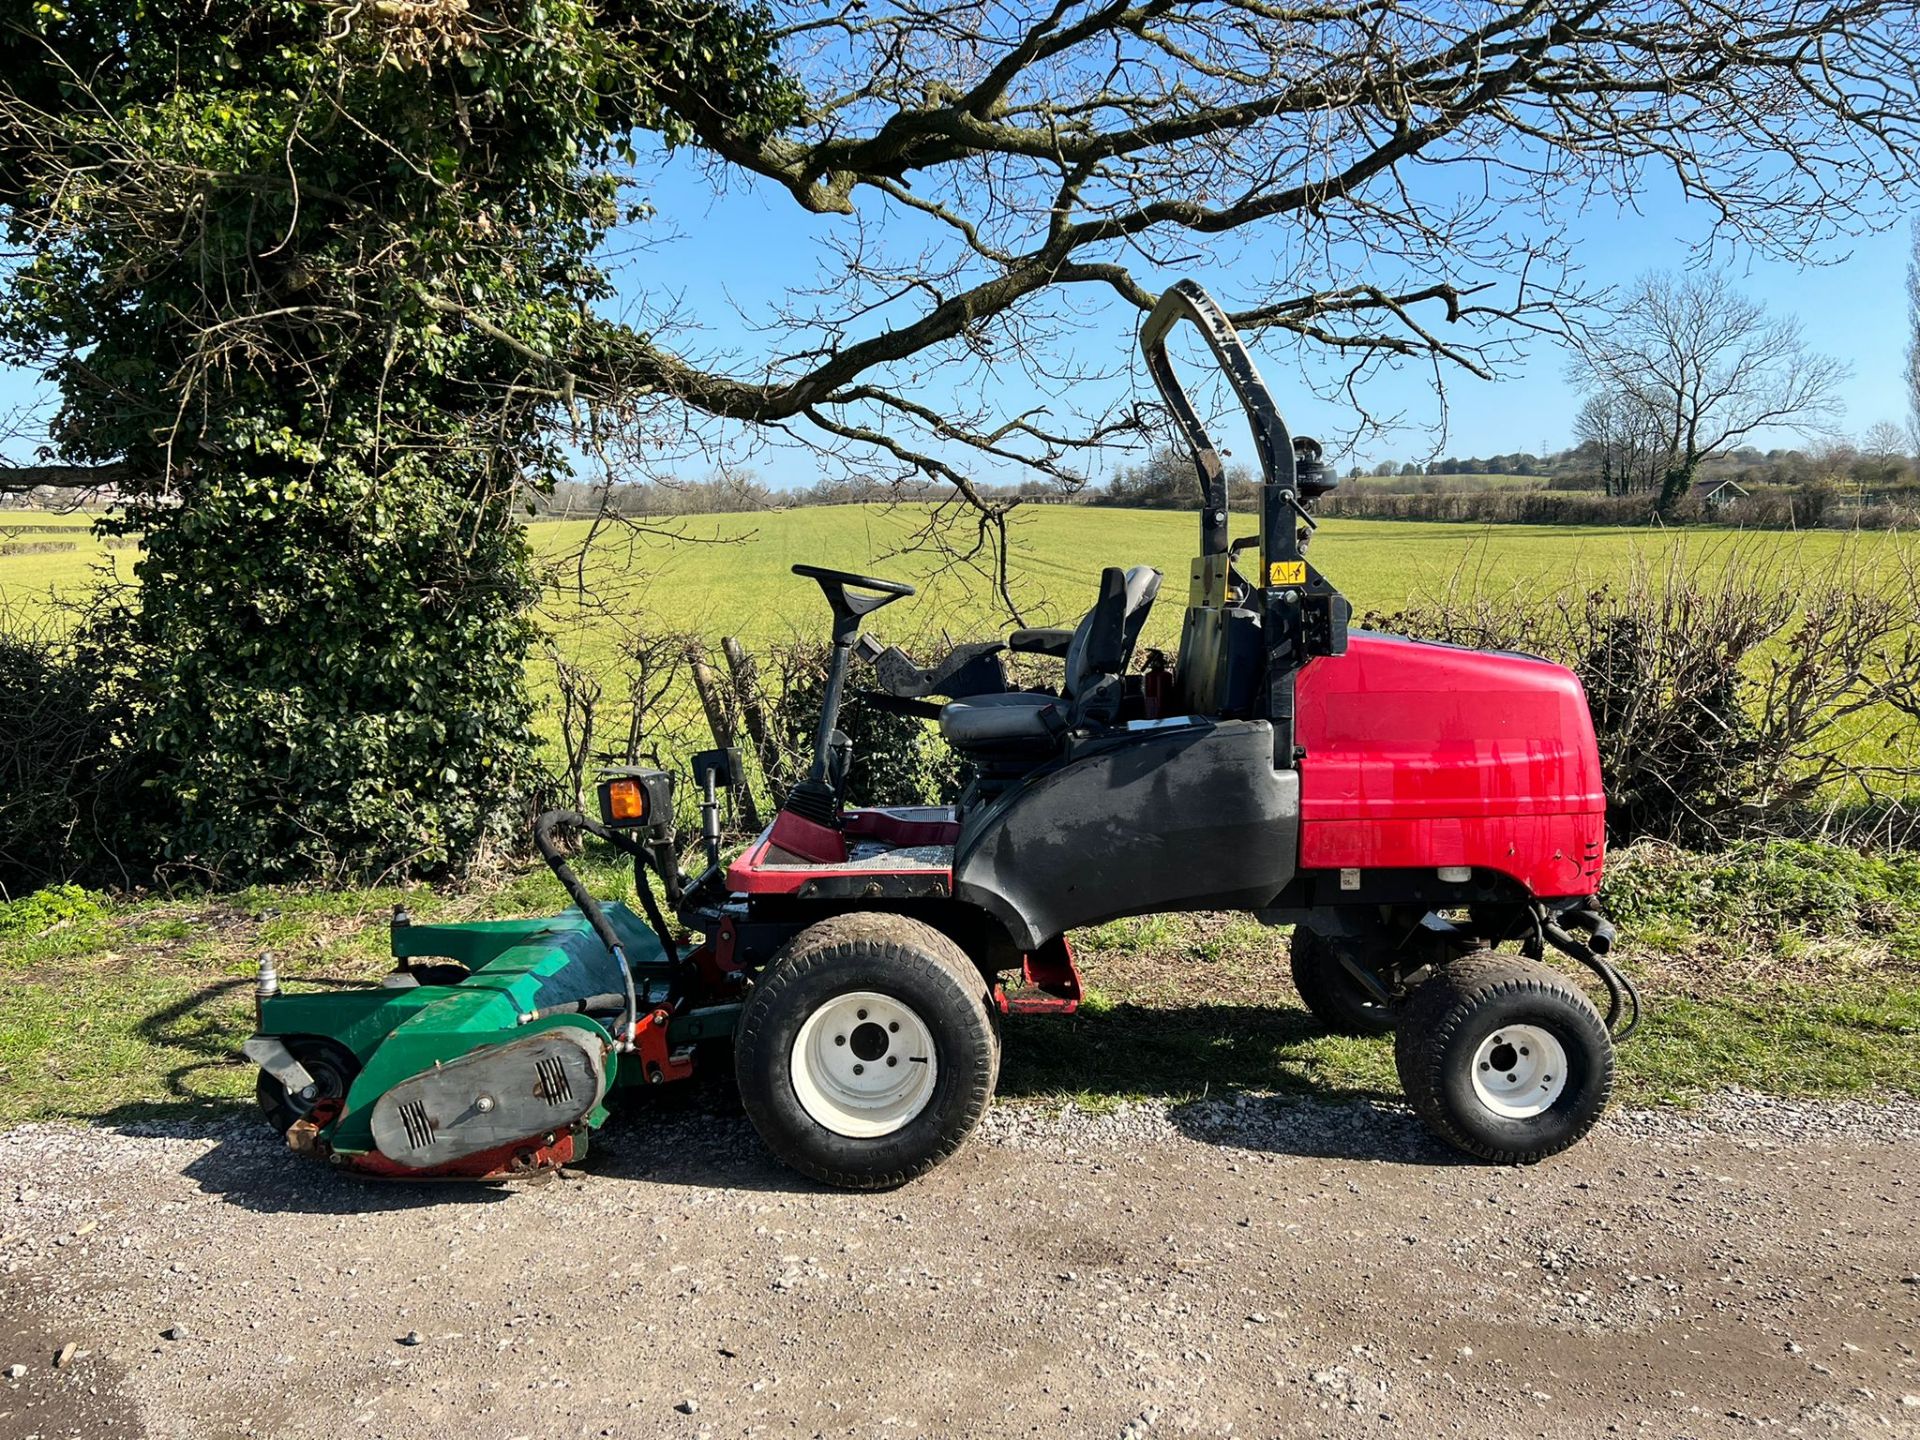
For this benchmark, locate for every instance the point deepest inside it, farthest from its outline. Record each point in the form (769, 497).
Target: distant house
(1716, 494)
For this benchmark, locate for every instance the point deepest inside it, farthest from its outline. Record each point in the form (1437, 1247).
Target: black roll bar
(1301, 615)
(1272, 442)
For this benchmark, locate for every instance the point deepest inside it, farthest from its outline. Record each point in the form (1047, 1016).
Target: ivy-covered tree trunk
(1677, 481)
(324, 670)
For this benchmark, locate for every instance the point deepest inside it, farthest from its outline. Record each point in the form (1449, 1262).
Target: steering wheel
(848, 608)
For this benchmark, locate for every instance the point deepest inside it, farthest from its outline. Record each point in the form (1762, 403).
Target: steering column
(852, 598)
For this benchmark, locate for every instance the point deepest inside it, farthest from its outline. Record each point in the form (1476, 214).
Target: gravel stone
(1242, 1264)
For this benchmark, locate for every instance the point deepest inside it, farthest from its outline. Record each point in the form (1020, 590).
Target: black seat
(1018, 721)
(1026, 725)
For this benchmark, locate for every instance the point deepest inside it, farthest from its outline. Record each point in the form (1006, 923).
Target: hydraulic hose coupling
(265, 988)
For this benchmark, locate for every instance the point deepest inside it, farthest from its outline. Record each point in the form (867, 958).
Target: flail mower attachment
(477, 1058)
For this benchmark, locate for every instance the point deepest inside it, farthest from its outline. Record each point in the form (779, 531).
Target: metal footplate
(497, 1096)
(1053, 983)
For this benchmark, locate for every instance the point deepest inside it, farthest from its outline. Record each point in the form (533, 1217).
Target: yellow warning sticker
(1287, 572)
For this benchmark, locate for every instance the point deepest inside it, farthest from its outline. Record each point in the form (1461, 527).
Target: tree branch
(18, 479)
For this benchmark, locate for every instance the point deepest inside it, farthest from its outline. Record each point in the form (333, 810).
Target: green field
(729, 574)
(1795, 971)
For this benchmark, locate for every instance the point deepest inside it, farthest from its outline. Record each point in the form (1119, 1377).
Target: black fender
(1186, 814)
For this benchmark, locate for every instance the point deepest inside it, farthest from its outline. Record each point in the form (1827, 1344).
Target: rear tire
(868, 1050)
(1504, 1059)
(1336, 999)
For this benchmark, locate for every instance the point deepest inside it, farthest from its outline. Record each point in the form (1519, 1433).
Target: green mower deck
(510, 1030)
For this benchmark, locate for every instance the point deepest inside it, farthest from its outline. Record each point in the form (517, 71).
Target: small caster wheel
(332, 1067)
(1337, 1000)
(1504, 1059)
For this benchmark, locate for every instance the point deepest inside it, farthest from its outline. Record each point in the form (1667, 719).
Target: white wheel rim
(1519, 1071)
(864, 1065)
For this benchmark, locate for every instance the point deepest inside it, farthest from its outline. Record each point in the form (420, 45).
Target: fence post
(753, 709)
(706, 681)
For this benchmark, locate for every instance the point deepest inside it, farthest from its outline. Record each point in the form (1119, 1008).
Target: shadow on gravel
(704, 1146)
(252, 1168)
(1315, 1128)
(689, 1135)
(696, 1134)
(1219, 1053)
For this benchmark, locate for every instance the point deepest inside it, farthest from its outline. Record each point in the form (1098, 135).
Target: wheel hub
(328, 1084)
(1519, 1071)
(869, 1041)
(863, 1064)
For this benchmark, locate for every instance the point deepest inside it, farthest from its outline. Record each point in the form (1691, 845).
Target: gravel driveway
(1261, 1267)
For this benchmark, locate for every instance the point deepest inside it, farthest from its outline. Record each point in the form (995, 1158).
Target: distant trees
(1519, 462)
(1624, 438)
(1703, 367)
(729, 490)
(1165, 480)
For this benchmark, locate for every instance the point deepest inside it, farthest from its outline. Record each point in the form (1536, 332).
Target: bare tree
(987, 162)
(1620, 426)
(1711, 367)
(1885, 440)
(1052, 148)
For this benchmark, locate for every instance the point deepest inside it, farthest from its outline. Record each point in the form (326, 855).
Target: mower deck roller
(1429, 819)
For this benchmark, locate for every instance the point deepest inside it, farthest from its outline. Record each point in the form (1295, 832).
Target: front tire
(1504, 1059)
(1336, 999)
(868, 1050)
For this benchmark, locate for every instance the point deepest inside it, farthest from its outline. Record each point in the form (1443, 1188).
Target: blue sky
(739, 247)
(729, 255)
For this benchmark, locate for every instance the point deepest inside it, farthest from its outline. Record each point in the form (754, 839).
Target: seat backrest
(1125, 599)
(1222, 658)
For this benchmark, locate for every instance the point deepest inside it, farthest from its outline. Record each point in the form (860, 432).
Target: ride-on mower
(1408, 807)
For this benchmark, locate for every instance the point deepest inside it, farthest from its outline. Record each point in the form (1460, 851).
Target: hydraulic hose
(592, 1005)
(1633, 998)
(582, 897)
(1623, 997)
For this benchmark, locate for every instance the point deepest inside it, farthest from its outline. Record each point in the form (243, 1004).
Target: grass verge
(1786, 968)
